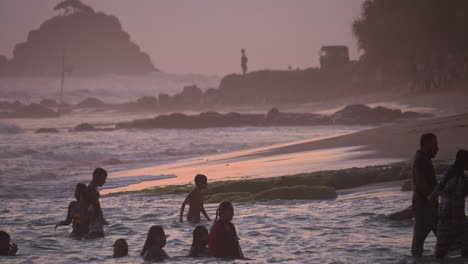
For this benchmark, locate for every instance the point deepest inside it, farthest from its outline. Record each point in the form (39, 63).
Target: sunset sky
(205, 36)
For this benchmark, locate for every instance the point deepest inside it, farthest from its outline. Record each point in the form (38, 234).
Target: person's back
(223, 239)
(452, 225)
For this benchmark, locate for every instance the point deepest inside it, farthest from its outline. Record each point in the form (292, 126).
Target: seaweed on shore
(315, 185)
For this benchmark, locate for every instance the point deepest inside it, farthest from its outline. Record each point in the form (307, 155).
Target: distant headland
(79, 41)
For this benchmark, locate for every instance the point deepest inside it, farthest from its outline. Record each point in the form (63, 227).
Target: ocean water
(353, 228)
(38, 173)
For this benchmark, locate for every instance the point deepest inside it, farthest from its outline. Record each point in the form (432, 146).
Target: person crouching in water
(7, 248)
(452, 224)
(200, 243)
(223, 241)
(153, 248)
(74, 215)
(120, 248)
(195, 201)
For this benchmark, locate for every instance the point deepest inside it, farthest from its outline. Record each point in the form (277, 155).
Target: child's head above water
(200, 236)
(4, 241)
(156, 237)
(120, 248)
(201, 181)
(80, 187)
(225, 211)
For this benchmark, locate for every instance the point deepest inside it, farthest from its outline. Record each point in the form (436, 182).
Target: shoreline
(376, 146)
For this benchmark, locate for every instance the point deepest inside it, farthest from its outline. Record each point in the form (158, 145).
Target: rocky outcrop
(358, 114)
(91, 103)
(350, 115)
(203, 120)
(46, 130)
(89, 43)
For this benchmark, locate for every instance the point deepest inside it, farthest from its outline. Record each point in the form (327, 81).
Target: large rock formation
(88, 42)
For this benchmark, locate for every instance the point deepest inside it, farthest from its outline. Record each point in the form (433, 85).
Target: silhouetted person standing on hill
(424, 183)
(244, 62)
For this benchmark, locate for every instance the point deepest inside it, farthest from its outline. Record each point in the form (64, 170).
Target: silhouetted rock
(147, 101)
(91, 103)
(84, 127)
(203, 120)
(46, 130)
(275, 117)
(364, 115)
(90, 43)
(164, 100)
(191, 95)
(358, 114)
(48, 103)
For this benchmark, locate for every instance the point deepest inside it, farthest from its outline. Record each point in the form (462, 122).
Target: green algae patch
(230, 196)
(300, 192)
(335, 179)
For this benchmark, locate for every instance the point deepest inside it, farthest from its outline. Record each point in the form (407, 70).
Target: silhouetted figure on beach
(223, 239)
(452, 226)
(243, 62)
(6, 247)
(120, 248)
(94, 212)
(199, 246)
(195, 201)
(155, 241)
(74, 214)
(424, 183)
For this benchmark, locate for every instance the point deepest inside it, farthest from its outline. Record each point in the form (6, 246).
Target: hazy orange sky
(205, 36)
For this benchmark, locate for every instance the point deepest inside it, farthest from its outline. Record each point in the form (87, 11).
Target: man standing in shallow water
(424, 183)
(95, 216)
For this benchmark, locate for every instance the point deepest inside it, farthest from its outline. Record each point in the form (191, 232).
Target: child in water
(120, 248)
(195, 201)
(200, 243)
(155, 241)
(7, 248)
(223, 239)
(74, 214)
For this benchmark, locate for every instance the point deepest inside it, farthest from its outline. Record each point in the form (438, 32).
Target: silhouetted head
(428, 144)
(156, 237)
(225, 212)
(120, 248)
(461, 160)
(243, 51)
(99, 177)
(80, 187)
(201, 181)
(200, 236)
(4, 241)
